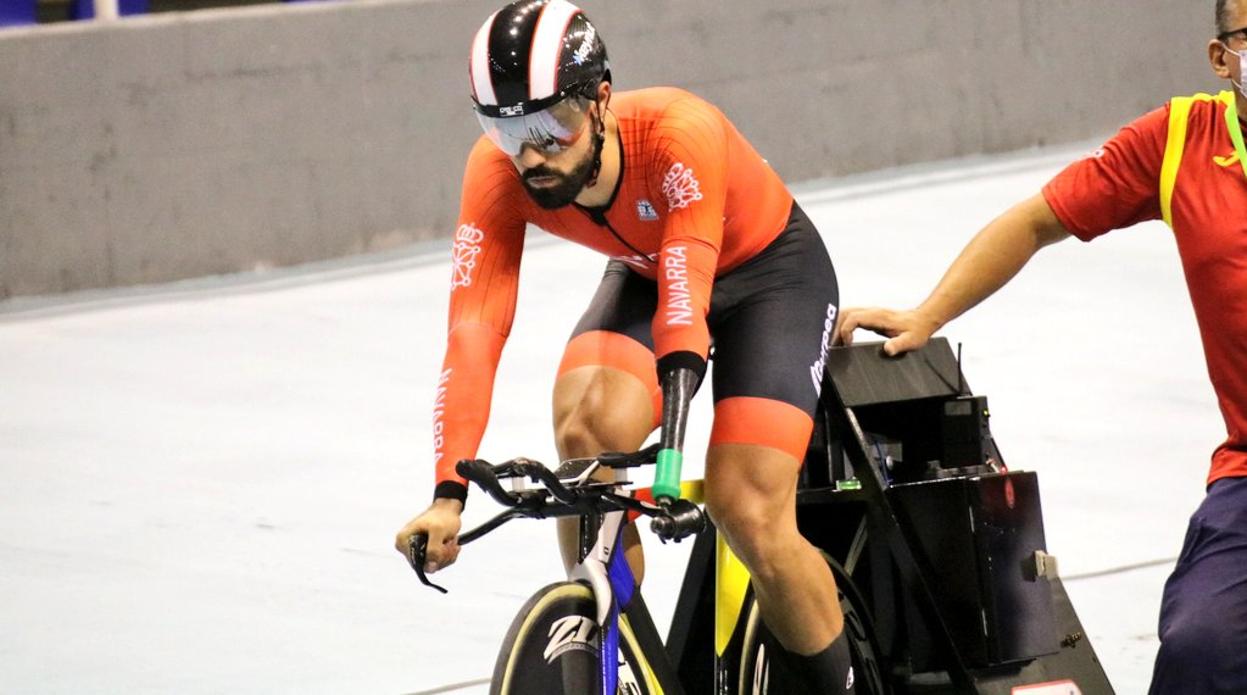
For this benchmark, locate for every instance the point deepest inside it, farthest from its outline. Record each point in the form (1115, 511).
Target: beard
(562, 193)
(569, 185)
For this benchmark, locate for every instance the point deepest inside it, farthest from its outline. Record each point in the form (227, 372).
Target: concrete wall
(171, 146)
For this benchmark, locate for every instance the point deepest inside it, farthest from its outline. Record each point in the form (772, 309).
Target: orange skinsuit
(694, 200)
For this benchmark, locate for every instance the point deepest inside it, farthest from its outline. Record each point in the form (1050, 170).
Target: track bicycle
(936, 547)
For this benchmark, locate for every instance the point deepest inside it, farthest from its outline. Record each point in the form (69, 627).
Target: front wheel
(554, 647)
(758, 678)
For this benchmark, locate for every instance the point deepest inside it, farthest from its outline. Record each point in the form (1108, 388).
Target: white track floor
(201, 482)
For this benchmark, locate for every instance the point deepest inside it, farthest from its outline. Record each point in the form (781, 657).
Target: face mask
(1242, 62)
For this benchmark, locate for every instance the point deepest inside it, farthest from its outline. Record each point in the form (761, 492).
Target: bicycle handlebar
(673, 520)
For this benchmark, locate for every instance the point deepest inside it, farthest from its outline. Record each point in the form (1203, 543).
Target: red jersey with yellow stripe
(694, 200)
(1184, 163)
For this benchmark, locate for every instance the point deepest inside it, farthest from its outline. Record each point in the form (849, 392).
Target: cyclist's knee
(576, 434)
(585, 429)
(596, 410)
(750, 495)
(751, 532)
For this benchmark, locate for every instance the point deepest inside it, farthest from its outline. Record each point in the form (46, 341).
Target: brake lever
(417, 551)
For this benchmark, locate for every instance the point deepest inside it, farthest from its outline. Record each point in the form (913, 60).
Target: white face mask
(1242, 71)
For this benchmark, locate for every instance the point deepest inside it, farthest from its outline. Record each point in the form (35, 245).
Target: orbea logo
(816, 369)
(464, 252)
(681, 187)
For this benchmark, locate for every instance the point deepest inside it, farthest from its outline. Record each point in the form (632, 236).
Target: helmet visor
(550, 130)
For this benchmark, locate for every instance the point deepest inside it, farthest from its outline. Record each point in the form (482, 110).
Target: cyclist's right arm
(486, 251)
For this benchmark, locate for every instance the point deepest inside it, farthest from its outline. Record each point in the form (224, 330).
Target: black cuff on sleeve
(682, 359)
(452, 489)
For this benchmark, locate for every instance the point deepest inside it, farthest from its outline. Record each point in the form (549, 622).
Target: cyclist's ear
(603, 97)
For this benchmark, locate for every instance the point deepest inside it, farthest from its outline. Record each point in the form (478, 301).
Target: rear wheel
(757, 675)
(554, 644)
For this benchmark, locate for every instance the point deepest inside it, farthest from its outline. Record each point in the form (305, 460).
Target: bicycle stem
(678, 386)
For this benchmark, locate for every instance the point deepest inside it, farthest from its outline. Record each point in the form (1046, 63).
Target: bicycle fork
(605, 569)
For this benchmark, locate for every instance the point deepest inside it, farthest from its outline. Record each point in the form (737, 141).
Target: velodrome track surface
(202, 481)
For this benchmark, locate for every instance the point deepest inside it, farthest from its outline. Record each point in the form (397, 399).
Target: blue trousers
(1203, 615)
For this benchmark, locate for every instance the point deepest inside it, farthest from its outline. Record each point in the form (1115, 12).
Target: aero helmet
(532, 54)
(528, 57)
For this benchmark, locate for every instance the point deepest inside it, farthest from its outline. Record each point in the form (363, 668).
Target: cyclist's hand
(907, 330)
(440, 522)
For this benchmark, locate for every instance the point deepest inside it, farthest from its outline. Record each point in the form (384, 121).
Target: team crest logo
(466, 248)
(645, 210)
(680, 187)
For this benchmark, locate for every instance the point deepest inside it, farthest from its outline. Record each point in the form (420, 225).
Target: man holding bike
(705, 242)
(1184, 163)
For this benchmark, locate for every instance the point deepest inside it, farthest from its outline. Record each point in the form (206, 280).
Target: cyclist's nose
(530, 157)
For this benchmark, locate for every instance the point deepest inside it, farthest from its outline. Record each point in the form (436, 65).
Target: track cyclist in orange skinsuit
(704, 242)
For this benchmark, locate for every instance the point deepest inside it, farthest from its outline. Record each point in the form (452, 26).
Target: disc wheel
(553, 647)
(758, 674)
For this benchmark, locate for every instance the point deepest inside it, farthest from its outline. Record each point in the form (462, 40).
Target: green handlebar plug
(667, 477)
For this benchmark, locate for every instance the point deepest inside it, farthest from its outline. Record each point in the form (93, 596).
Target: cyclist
(1184, 163)
(704, 242)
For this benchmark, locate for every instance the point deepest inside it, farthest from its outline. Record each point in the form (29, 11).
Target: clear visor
(550, 130)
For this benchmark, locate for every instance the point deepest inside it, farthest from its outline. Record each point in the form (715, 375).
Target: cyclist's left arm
(693, 161)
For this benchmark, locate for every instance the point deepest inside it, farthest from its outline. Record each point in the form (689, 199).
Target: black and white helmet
(531, 55)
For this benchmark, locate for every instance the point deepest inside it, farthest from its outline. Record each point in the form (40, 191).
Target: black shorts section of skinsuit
(771, 318)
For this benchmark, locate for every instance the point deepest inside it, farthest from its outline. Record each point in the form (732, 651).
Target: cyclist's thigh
(609, 360)
(772, 328)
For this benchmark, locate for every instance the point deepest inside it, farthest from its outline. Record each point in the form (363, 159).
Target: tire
(553, 647)
(758, 678)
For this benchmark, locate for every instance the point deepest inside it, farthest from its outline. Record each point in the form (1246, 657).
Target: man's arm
(1112, 188)
(989, 261)
(693, 157)
(486, 254)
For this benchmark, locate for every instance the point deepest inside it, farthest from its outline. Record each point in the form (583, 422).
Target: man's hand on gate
(440, 522)
(906, 330)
